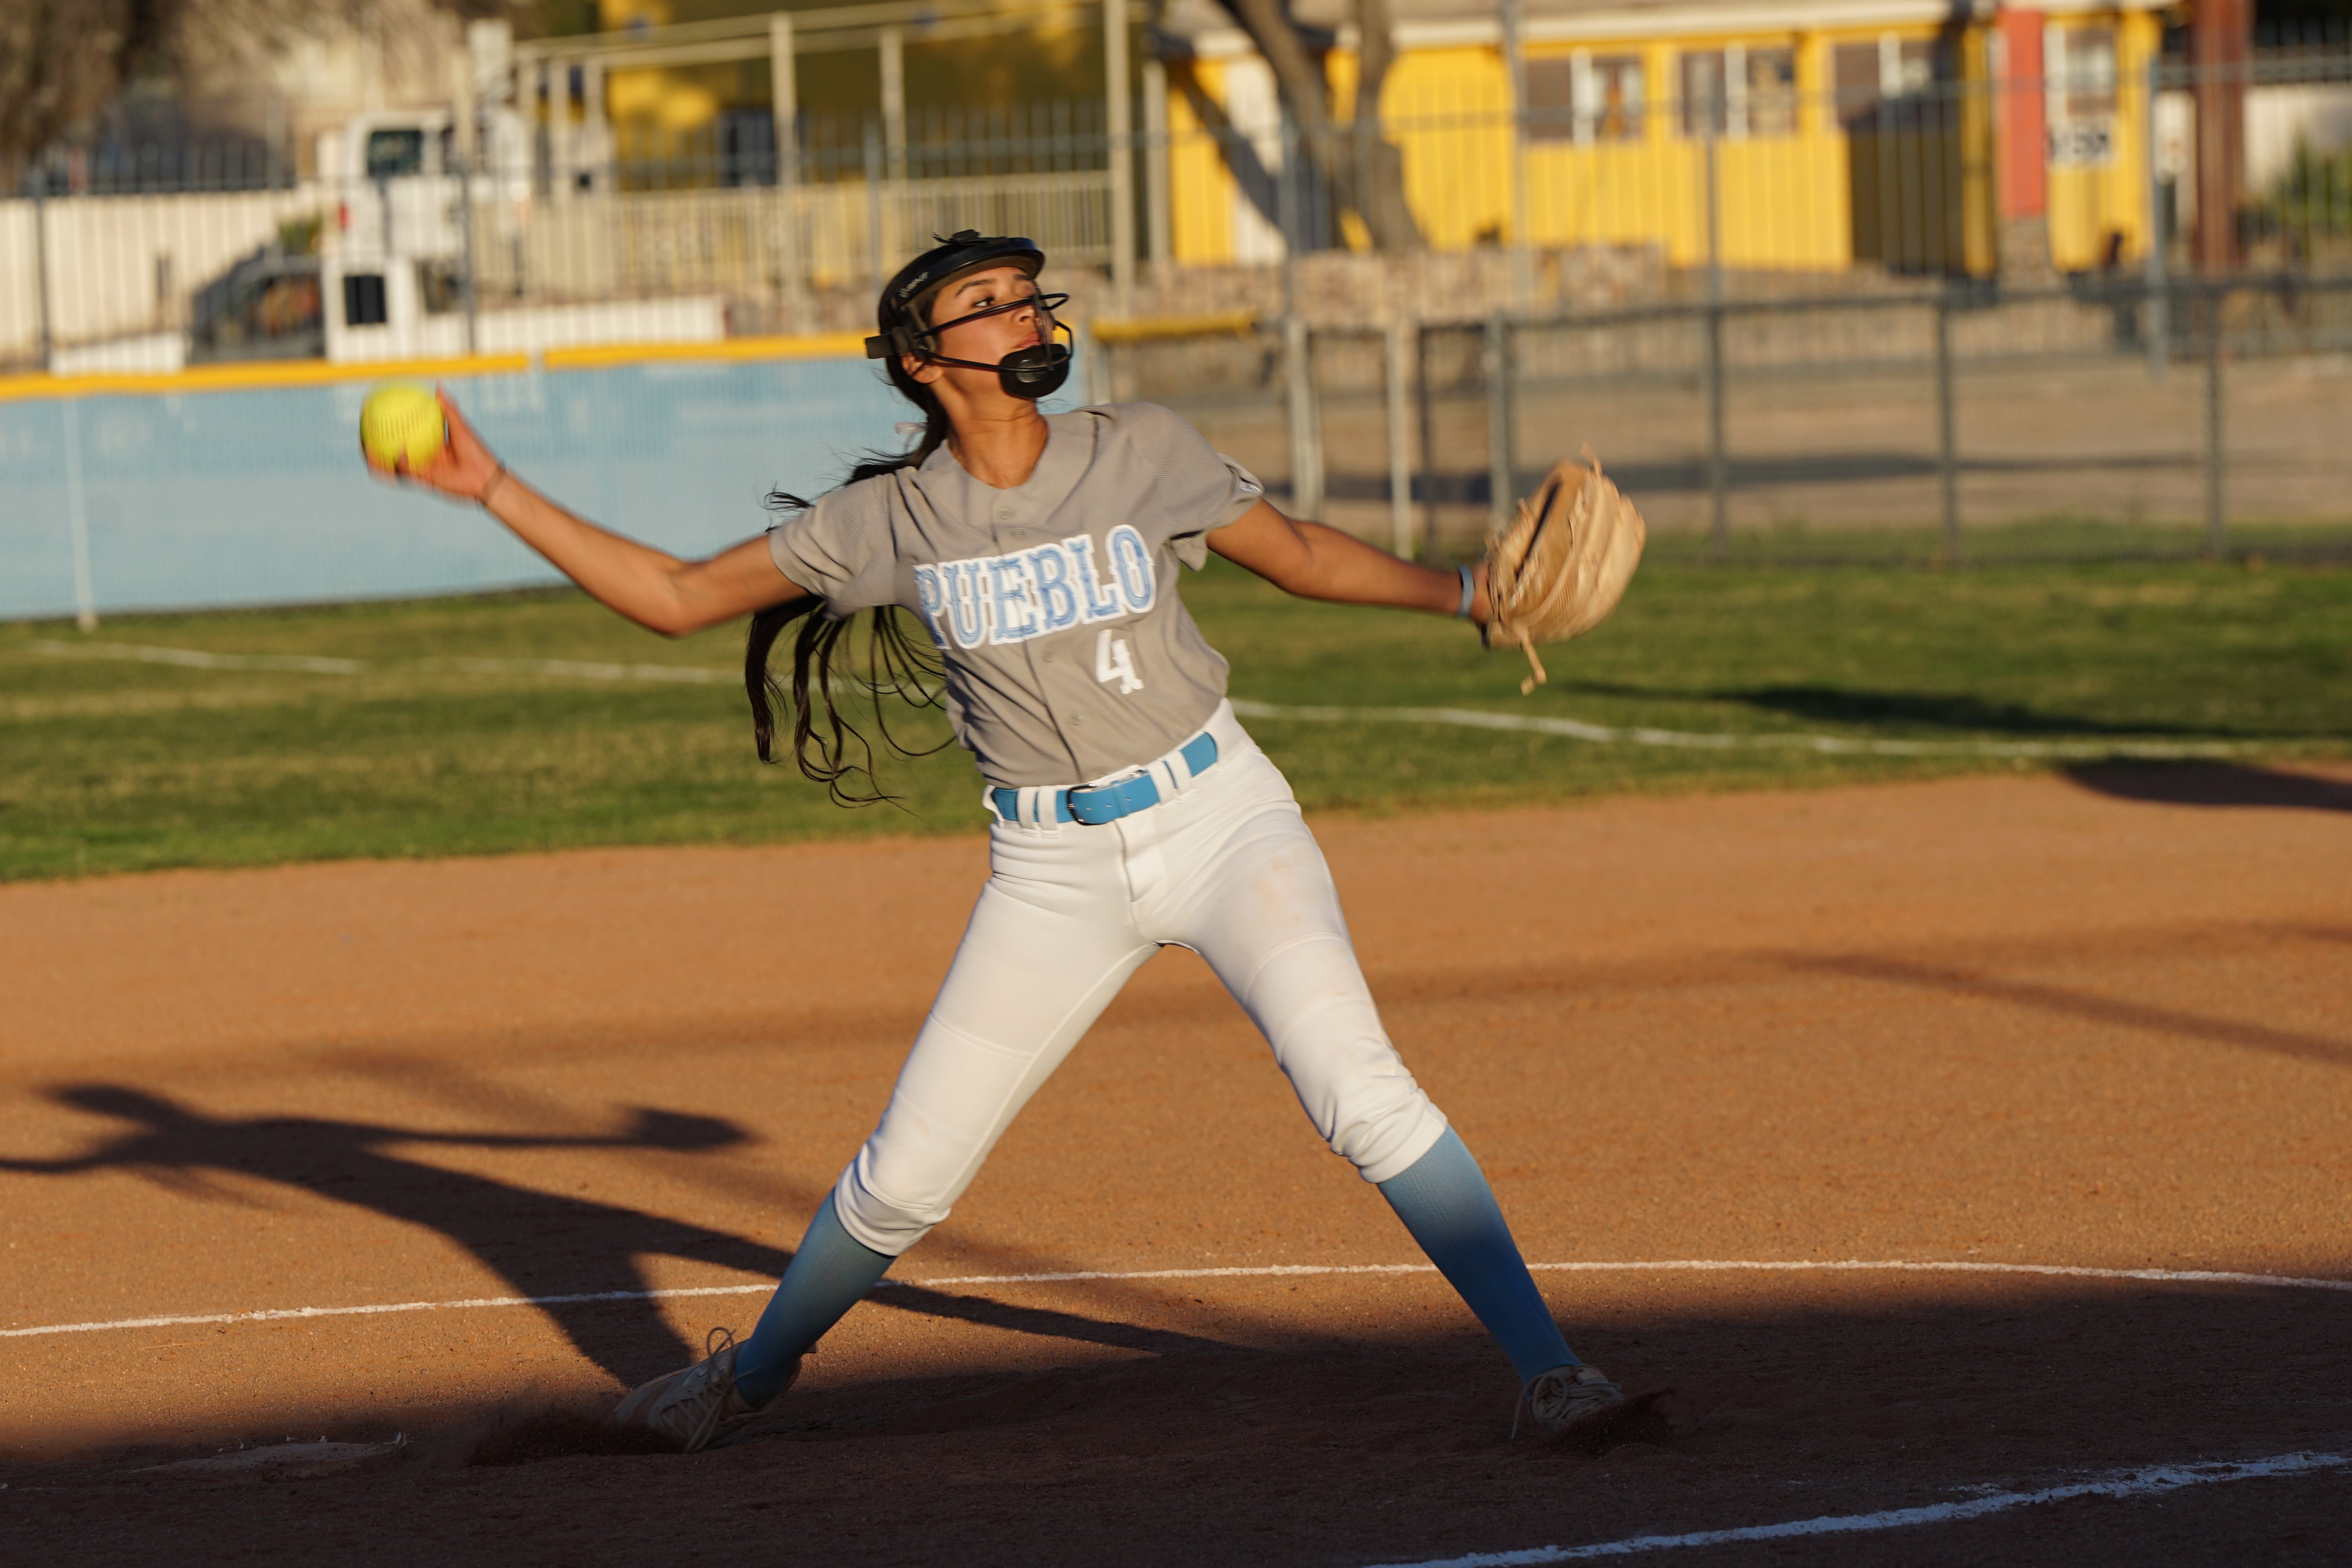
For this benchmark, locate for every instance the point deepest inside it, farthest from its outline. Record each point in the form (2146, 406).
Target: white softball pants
(1227, 868)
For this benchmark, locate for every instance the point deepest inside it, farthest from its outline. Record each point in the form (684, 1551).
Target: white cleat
(696, 1407)
(1573, 1401)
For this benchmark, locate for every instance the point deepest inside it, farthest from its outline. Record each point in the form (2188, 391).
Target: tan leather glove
(1559, 567)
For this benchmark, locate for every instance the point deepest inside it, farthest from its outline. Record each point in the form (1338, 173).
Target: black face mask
(1037, 371)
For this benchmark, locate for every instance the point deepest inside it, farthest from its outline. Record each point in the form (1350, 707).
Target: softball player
(1130, 810)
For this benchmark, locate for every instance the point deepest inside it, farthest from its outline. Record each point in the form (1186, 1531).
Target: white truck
(432, 256)
(396, 260)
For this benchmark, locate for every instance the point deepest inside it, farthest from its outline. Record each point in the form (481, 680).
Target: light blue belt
(1108, 803)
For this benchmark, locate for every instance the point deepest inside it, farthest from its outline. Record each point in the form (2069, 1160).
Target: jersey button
(1049, 656)
(1003, 510)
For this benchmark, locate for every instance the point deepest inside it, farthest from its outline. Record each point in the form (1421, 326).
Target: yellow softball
(403, 419)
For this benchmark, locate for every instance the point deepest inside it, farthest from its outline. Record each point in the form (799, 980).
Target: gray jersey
(1069, 654)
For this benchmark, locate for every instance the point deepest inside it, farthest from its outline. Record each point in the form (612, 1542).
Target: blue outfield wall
(209, 499)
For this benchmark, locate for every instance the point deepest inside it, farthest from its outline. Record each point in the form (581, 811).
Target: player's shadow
(1942, 711)
(544, 1245)
(2214, 784)
(2076, 1002)
(540, 1243)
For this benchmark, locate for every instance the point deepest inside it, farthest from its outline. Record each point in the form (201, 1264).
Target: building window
(1868, 79)
(363, 302)
(1584, 97)
(1616, 97)
(1703, 92)
(2079, 66)
(1771, 100)
(1551, 98)
(1750, 92)
(393, 153)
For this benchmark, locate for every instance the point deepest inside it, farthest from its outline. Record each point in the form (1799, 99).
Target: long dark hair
(897, 661)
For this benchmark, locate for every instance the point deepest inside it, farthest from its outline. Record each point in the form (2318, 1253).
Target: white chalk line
(193, 658)
(1460, 718)
(1261, 1271)
(2143, 1481)
(1723, 740)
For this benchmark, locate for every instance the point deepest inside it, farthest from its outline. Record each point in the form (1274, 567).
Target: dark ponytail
(897, 662)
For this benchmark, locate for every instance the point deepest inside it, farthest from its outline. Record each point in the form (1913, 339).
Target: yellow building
(1843, 132)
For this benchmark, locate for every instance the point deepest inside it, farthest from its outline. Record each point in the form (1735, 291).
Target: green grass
(109, 765)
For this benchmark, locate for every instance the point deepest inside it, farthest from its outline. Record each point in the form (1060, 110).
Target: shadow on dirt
(2073, 1002)
(527, 1434)
(2214, 784)
(1941, 710)
(581, 1260)
(1803, 1398)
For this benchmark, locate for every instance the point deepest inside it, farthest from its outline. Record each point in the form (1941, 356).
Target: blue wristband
(1469, 594)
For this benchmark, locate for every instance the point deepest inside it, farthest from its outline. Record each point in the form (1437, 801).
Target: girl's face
(988, 339)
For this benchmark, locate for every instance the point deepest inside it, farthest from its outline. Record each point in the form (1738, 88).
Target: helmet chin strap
(1034, 372)
(1037, 371)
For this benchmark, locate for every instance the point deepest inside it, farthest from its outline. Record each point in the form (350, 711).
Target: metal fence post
(1947, 457)
(784, 109)
(1101, 366)
(2159, 325)
(1285, 214)
(1306, 436)
(466, 237)
(1719, 466)
(78, 520)
(1428, 419)
(1515, 63)
(2217, 526)
(893, 50)
(41, 261)
(873, 205)
(1156, 151)
(1394, 346)
(1116, 112)
(1501, 484)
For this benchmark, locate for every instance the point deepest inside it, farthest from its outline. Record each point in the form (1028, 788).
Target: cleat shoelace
(712, 1384)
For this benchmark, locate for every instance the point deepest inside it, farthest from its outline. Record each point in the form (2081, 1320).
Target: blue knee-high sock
(1443, 1199)
(823, 1281)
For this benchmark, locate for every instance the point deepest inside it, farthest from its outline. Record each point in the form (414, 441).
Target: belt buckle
(1108, 803)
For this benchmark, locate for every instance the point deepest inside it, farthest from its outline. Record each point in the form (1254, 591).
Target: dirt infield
(2098, 1022)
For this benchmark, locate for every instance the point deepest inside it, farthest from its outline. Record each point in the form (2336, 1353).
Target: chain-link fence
(1958, 428)
(1889, 304)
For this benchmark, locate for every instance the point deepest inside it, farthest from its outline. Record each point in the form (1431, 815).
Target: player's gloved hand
(1559, 567)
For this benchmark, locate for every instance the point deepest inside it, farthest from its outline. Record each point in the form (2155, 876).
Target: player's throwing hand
(463, 468)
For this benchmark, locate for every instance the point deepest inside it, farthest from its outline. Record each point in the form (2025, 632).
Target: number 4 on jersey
(1114, 662)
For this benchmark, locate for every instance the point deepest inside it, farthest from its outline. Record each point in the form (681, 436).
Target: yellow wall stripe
(823, 345)
(1145, 328)
(253, 374)
(257, 374)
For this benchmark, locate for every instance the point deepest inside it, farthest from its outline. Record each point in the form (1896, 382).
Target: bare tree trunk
(1304, 91)
(1248, 170)
(1379, 166)
(60, 59)
(1365, 174)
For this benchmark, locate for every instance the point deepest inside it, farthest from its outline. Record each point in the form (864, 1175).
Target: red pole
(2024, 134)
